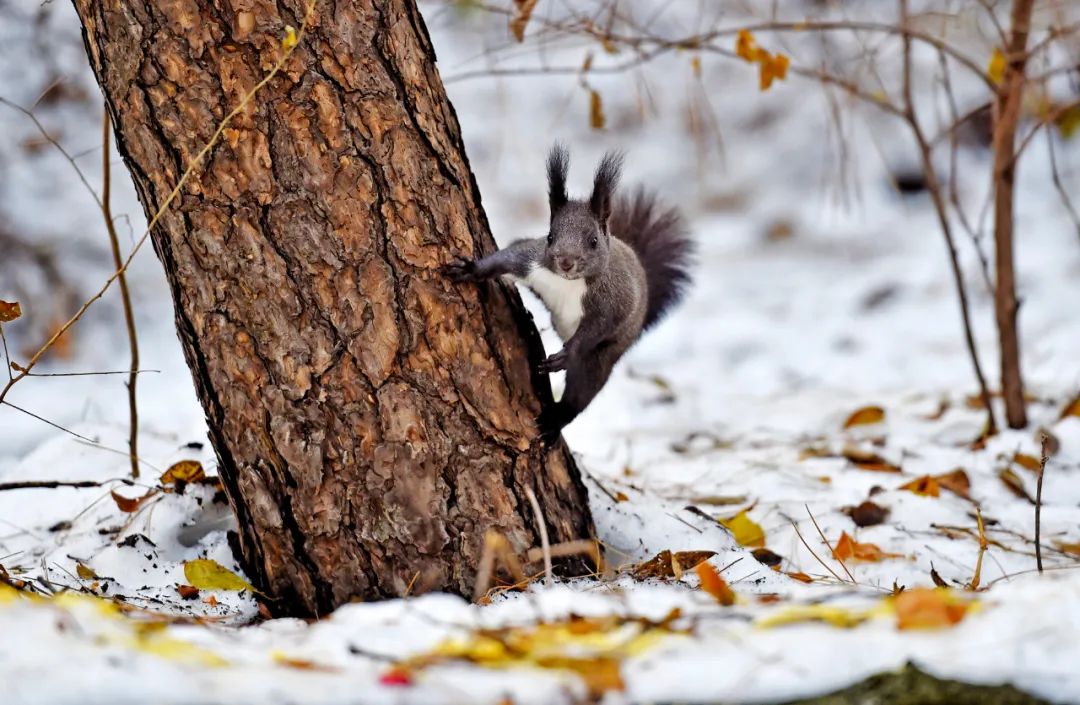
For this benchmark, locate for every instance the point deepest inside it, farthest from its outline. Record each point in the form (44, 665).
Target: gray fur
(633, 271)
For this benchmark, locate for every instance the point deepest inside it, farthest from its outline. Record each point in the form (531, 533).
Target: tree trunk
(372, 421)
(1007, 104)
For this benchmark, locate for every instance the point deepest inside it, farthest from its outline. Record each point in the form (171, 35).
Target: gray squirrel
(608, 270)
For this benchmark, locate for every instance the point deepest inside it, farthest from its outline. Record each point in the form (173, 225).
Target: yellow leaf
(9, 311)
(996, 69)
(865, 416)
(1068, 124)
(925, 486)
(929, 608)
(746, 46)
(712, 583)
(207, 574)
(183, 471)
(836, 616)
(85, 572)
(746, 531)
(772, 67)
(289, 41)
(597, 120)
(1028, 462)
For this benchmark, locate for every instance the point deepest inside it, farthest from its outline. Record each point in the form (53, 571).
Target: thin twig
(54, 484)
(823, 563)
(826, 542)
(977, 576)
(542, 527)
(1044, 457)
(125, 296)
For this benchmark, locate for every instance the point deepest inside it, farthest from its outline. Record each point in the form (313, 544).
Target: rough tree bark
(1007, 104)
(371, 420)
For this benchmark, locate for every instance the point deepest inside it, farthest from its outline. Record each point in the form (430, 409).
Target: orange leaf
(772, 67)
(521, 19)
(929, 608)
(956, 482)
(801, 577)
(865, 415)
(1072, 408)
(926, 486)
(9, 311)
(188, 592)
(712, 583)
(848, 548)
(1028, 462)
(1070, 548)
(746, 46)
(126, 504)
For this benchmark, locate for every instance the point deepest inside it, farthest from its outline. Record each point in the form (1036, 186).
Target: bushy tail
(662, 244)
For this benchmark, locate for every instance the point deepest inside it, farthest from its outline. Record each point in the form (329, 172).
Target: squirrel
(609, 269)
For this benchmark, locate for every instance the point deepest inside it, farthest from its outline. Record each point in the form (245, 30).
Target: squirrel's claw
(550, 424)
(462, 270)
(553, 363)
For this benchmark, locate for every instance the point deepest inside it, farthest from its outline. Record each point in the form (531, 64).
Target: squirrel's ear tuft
(558, 162)
(604, 183)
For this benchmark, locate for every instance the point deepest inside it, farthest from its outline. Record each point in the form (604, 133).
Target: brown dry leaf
(1028, 462)
(865, 416)
(1015, 484)
(1072, 408)
(719, 500)
(766, 557)
(519, 21)
(956, 482)
(745, 530)
(130, 504)
(301, 664)
(211, 600)
(1073, 549)
(929, 608)
(868, 460)
(712, 583)
(183, 471)
(9, 311)
(597, 119)
(85, 572)
(848, 548)
(936, 577)
(925, 486)
(666, 565)
(621, 497)
(801, 577)
(867, 514)
(188, 592)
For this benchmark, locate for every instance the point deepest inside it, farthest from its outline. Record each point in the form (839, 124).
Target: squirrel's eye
(594, 242)
(550, 238)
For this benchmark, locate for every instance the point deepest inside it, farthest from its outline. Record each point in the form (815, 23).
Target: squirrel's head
(578, 241)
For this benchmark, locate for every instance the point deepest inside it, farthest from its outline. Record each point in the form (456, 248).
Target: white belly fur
(562, 297)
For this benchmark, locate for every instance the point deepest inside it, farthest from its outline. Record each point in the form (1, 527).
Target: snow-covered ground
(819, 291)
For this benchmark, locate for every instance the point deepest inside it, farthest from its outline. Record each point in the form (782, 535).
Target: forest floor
(807, 419)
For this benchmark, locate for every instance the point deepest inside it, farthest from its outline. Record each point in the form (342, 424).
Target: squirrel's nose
(565, 264)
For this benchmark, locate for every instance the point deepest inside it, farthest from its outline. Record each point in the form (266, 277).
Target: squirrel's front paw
(553, 363)
(550, 423)
(463, 270)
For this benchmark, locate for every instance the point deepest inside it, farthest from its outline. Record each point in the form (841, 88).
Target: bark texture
(372, 420)
(1007, 105)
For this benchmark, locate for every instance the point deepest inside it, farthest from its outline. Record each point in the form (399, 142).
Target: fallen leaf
(835, 616)
(1073, 549)
(712, 583)
(868, 460)
(621, 497)
(396, 677)
(130, 504)
(210, 600)
(720, 501)
(766, 557)
(1072, 408)
(85, 572)
(865, 416)
(924, 486)
(995, 70)
(1053, 445)
(745, 530)
(208, 574)
(801, 577)
(183, 471)
(929, 608)
(9, 311)
(956, 482)
(935, 577)
(848, 548)
(300, 664)
(666, 565)
(188, 592)
(1028, 462)
(1015, 484)
(867, 514)
(597, 119)
(521, 18)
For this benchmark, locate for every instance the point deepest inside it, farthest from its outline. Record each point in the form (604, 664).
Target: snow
(719, 409)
